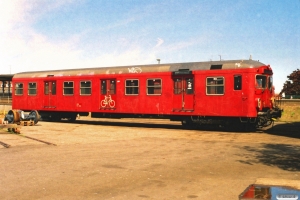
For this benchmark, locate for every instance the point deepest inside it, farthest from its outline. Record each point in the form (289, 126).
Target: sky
(65, 34)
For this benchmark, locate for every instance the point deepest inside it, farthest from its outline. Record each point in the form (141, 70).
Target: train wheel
(12, 116)
(34, 115)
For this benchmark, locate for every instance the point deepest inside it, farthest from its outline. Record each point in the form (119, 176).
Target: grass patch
(290, 113)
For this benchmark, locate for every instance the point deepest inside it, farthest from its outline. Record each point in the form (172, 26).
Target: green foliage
(292, 85)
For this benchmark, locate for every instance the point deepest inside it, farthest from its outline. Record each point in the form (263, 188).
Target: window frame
(32, 89)
(130, 87)
(154, 87)
(264, 84)
(68, 88)
(19, 89)
(84, 88)
(215, 86)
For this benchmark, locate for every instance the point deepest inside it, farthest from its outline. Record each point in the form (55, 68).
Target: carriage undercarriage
(264, 120)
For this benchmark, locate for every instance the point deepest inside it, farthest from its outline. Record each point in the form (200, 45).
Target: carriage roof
(171, 67)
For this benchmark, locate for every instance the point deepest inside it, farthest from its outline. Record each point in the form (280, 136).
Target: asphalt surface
(143, 159)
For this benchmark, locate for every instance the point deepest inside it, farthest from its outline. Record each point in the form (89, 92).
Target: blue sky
(64, 34)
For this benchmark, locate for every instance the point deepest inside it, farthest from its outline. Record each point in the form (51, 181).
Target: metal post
(9, 94)
(3, 88)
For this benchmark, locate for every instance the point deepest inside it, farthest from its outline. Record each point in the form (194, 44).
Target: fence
(5, 100)
(288, 102)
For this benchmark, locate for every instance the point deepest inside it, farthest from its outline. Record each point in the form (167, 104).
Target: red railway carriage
(216, 92)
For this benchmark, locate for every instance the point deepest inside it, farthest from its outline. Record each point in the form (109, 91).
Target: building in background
(6, 88)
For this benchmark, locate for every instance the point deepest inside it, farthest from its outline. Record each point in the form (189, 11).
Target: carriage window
(85, 88)
(177, 86)
(112, 87)
(132, 87)
(31, 88)
(237, 82)
(153, 86)
(270, 82)
(215, 85)
(216, 67)
(51, 90)
(261, 81)
(46, 88)
(19, 89)
(103, 87)
(108, 86)
(189, 86)
(68, 88)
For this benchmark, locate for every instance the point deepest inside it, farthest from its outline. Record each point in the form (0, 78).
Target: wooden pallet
(26, 123)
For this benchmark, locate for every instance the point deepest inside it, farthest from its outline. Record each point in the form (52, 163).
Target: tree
(292, 85)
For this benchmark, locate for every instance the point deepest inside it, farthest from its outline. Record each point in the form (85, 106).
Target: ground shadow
(287, 129)
(283, 156)
(281, 129)
(129, 124)
(166, 124)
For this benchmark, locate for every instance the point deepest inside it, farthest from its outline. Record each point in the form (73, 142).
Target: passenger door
(50, 94)
(183, 93)
(108, 94)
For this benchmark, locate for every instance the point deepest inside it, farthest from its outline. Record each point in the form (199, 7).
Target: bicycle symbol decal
(107, 102)
(134, 70)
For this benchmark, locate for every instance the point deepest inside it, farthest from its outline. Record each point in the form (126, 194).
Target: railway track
(42, 141)
(4, 144)
(31, 138)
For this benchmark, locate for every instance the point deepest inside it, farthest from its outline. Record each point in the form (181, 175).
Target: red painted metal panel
(181, 94)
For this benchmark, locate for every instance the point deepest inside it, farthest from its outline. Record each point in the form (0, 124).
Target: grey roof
(171, 67)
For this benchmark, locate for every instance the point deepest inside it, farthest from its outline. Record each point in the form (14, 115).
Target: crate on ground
(26, 123)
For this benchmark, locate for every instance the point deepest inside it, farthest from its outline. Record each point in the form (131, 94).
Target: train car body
(216, 92)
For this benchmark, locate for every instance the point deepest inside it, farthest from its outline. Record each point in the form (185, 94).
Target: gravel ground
(143, 159)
